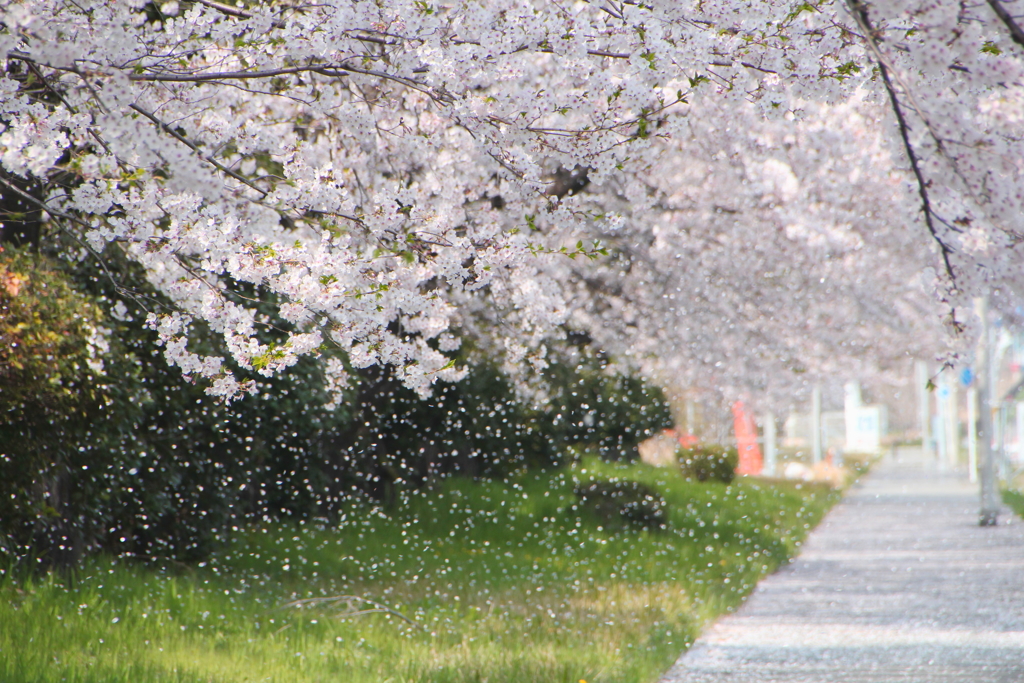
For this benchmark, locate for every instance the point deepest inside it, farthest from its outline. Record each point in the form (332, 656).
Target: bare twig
(195, 148)
(347, 600)
(74, 219)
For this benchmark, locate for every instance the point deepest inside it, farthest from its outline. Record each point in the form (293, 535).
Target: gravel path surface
(899, 583)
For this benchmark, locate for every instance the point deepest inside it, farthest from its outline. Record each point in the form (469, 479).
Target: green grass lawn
(471, 581)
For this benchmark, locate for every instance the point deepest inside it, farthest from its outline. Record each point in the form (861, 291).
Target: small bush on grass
(708, 463)
(619, 503)
(1014, 500)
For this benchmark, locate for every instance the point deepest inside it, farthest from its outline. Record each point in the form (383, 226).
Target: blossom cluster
(714, 184)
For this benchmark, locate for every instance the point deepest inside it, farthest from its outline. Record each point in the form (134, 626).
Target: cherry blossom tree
(788, 259)
(398, 174)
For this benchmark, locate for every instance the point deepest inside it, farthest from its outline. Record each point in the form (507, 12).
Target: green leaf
(991, 48)
(848, 69)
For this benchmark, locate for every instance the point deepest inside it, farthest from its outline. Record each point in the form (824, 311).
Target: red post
(751, 461)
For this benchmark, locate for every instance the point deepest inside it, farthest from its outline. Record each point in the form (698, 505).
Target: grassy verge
(1014, 500)
(470, 582)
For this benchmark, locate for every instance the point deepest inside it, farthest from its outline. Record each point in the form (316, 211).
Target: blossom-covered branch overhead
(398, 173)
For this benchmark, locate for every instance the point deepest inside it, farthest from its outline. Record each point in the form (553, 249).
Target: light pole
(972, 434)
(989, 514)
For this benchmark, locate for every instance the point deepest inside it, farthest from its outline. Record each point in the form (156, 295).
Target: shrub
(54, 386)
(712, 462)
(103, 446)
(621, 503)
(597, 403)
(480, 427)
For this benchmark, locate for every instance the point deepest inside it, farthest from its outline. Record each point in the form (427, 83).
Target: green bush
(478, 427)
(596, 403)
(103, 446)
(621, 502)
(1014, 500)
(54, 385)
(708, 463)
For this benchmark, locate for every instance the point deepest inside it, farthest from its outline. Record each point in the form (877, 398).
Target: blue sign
(966, 377)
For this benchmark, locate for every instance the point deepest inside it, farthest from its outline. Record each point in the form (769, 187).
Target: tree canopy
(723, 189)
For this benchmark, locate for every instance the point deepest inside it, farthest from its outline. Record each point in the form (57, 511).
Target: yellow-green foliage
(1015, 501)
(50, 336)
(51, 363)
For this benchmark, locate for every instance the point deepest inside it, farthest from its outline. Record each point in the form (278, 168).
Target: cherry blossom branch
(242, 14)
(860, 12)
(744, 64)
(41, 204)
(915, 165)
(195, 148)
(330, 70)
(226, 9)
(118, 286)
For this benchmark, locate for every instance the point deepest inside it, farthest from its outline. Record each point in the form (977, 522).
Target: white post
(816, 424)
(953, 424)
(851, 402)
(1003, 459)
(1019, 424)
(972, 434)
(941, 421)
(989, 513)
(770, 446)
(924, 413)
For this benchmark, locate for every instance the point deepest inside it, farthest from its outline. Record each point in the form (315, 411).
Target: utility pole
(972, 434)
(989, 514)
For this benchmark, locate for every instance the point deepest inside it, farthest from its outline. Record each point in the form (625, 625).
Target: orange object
(687, 440)
(751, 460)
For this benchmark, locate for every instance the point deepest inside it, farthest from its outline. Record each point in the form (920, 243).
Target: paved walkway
(899, 583)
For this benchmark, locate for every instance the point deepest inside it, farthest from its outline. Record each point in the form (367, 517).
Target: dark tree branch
(915, 165)
(1011, 24)
(860, 12)
(195, 148)
(118, 286)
